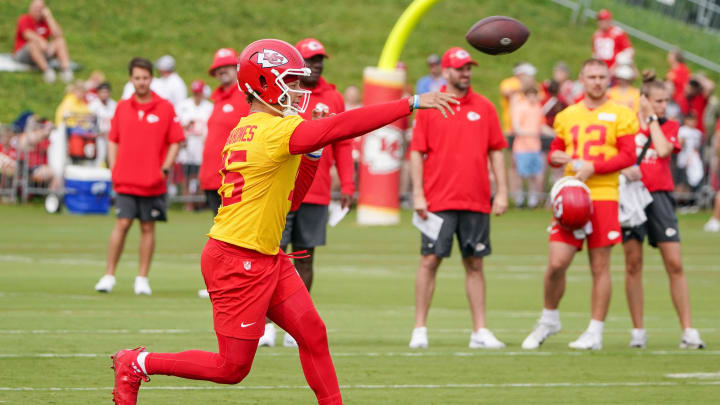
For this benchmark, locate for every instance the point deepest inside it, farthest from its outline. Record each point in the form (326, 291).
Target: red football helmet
(571, 203)
(265, 67)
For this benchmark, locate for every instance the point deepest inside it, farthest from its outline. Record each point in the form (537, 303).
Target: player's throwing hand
(437, 100)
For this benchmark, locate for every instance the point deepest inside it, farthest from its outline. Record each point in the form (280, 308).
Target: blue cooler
(87, 189)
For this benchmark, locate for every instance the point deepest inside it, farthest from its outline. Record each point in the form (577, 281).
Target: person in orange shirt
(522, 73)
(527, 123)
(269, 161)
(623, 91)
(595, 140)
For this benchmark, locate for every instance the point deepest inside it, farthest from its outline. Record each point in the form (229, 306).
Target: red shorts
(605, 228)
(243, 284)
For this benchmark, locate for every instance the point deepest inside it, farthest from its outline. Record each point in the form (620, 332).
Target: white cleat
(712, 225)
(203, 293)
(49, 75)
(106, 284)
(587, 341)
(142, 286)
(542, 331)
(268, 338)
(419, 339)
(484, 339)
(638, 338)
(691, 339)
(289, 341)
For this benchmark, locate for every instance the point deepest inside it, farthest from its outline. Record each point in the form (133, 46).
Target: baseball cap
(223, 57)
(197, 86)
(165, 63)
(604, 14)
(525, 68)
(310, 47)
(433, 59)
(624, 72)
(456, 57)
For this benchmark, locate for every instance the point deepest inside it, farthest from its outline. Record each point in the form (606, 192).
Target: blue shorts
(529, 164)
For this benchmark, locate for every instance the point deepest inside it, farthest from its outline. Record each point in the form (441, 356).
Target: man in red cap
(230, 106)
(449, 163)
(610, 43)
(306, 227)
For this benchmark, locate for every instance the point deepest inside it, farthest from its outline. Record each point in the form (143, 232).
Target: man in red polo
(144, 140)
(230, 106)
(610, 43)
(449, 163)
(306, 227)
(38, 38)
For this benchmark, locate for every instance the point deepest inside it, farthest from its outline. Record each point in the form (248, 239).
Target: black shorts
(661, 224)
(191, 170)
(306, 227)
(472, 230)
(212, 198)
(143, 208)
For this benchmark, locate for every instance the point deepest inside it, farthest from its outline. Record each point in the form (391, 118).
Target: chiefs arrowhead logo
(270, 58)
(314, 46)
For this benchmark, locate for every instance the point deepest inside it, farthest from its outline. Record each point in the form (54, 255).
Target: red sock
(297, 315)
(229, 366)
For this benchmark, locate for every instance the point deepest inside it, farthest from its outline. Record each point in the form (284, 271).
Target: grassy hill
(106, 35)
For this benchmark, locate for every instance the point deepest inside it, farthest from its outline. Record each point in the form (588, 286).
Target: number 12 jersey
(592, 135)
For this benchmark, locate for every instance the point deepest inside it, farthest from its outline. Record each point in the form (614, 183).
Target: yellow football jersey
(630, 97)
(258, 179)
(592, 135)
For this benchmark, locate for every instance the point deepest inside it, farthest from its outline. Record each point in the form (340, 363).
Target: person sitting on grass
(39, 38)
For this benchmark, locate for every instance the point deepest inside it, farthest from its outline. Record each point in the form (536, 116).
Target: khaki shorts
(23, 55)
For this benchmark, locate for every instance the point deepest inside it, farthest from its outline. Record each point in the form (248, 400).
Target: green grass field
(56, 333)
(106, 35)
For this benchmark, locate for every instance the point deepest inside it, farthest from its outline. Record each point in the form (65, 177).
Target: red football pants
(297, 315)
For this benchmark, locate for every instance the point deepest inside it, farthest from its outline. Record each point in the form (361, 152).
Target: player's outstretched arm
(315, 134)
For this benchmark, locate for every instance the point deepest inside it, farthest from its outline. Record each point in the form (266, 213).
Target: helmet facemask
(285, 98)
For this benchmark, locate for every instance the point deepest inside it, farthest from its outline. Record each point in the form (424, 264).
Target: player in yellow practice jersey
(595, 140)
(269, 162)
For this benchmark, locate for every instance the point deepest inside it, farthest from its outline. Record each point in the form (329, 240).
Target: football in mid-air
(497, 35)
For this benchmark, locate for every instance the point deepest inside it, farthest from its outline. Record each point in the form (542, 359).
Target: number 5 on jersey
(233, 181)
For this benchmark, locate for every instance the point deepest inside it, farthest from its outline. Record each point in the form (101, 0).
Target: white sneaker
(142, 286)
(691, 339)
(66, 76)
(587, 341)
(638, 338)
(419, 339)
(289, 341)
(203, 293)
(268, 338)
(712, 225)
(106, 284)
(484, 339)
(49, 75)
(542, 331)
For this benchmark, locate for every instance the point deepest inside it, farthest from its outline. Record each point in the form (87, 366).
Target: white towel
(634, 197)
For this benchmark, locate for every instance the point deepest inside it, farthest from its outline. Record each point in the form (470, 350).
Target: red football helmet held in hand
(571, 203)
(264, 69)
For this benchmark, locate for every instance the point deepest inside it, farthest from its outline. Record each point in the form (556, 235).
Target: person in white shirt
(689, 157)
(103, 107)
(169, 85)
(193, 113)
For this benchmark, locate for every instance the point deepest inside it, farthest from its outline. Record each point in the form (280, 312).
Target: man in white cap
(623, 92)
(434, 80)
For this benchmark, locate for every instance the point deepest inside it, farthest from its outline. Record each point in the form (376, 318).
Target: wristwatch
(651, 118)
(166, 172)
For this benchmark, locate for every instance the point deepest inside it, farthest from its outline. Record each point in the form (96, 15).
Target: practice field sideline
(56, 333)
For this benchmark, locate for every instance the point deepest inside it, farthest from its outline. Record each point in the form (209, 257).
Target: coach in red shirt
(230, 106)
(449, 163)
(610, 43)
(305, 227)
(661, 227)
(38, 37)
(144, 140)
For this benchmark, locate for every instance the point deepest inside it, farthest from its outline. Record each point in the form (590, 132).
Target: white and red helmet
(571, 203)
(265, 67)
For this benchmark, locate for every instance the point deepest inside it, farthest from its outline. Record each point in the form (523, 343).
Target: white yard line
(378, 386)
(695, 375)
(479, 353)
